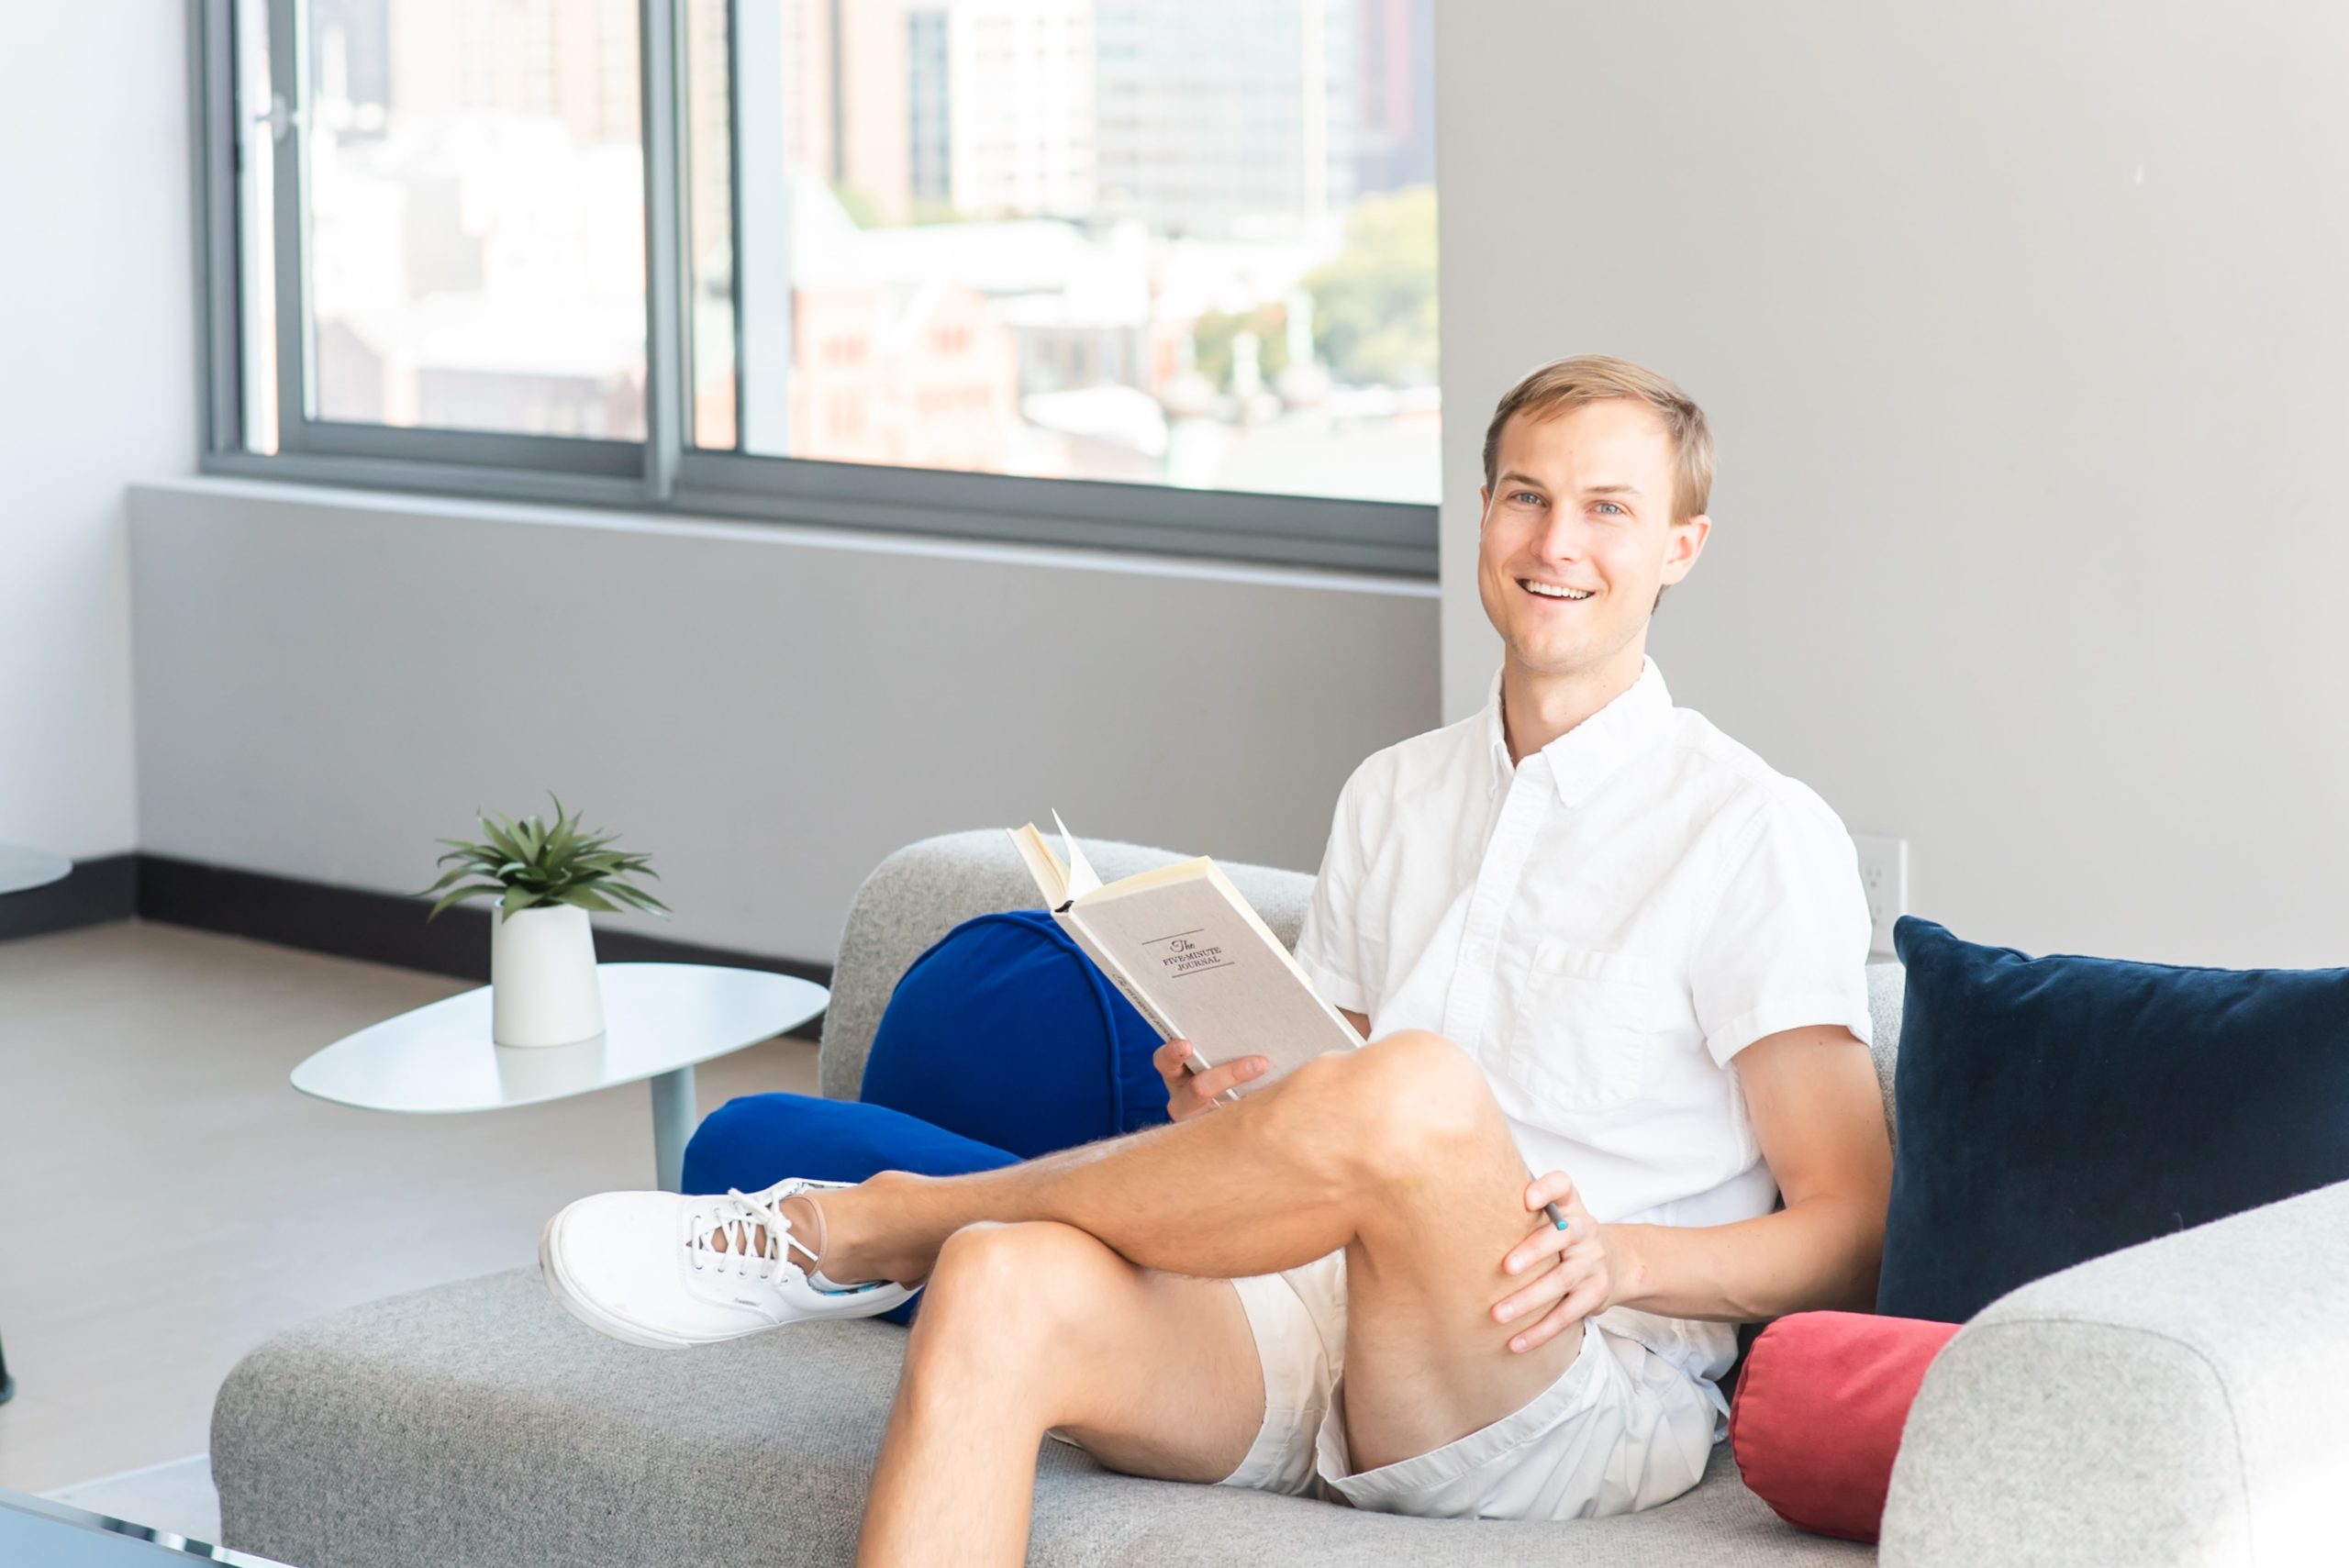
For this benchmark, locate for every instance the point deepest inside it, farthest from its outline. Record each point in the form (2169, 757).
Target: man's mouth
(1553, 590)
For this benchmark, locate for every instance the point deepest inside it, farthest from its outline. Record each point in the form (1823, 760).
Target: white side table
(659, 1020)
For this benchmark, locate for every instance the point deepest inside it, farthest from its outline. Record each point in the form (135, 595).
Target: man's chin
(1555, 660)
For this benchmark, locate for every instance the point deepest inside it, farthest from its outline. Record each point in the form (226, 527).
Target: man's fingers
(1547, 1241)
(1216, 1082)
(1555, 1187)
(1576, 1307)
(1526, 1302)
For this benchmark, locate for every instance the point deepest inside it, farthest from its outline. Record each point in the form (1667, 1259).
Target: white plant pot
(542, 988)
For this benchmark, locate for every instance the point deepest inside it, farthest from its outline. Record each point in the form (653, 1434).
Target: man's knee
(1015, 1286)
(1399, 1104)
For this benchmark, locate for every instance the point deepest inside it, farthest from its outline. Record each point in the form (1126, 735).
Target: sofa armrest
(2177, 1403)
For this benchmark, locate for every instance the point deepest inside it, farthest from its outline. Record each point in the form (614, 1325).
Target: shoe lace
(738, 1217)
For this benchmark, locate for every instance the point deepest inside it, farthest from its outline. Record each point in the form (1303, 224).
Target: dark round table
(21, 871)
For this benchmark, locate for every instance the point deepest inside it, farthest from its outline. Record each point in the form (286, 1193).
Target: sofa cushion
(755, 1140)
(1818, 1411)
(2054, 1109)
(478, 1423)
(1005, 1033)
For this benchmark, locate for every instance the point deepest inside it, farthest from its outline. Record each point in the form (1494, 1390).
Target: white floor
(168, 1200)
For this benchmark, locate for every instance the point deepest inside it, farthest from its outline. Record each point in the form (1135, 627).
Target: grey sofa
(2176, 1403)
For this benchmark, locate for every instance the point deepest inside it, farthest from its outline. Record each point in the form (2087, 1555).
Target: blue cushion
(756, 1140)
(2054, 1109)
(1005, 1033)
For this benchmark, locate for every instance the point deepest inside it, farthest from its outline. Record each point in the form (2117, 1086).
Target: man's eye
(1527, 497)
(1610, 506)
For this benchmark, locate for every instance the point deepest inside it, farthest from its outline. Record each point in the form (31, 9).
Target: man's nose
(1561, 539)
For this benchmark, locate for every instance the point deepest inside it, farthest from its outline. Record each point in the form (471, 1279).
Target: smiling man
(1585, 934)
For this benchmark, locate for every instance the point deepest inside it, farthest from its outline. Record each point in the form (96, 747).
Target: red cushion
(1819, 1410)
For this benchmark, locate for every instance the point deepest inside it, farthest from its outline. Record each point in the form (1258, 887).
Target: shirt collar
(1582, 758)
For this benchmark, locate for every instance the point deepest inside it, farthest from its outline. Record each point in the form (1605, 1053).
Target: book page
(1081, 878)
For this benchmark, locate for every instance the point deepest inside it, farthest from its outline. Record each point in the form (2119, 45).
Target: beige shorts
(1619, 1430)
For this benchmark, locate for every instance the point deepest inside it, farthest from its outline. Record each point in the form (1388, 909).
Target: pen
(1557, 1217)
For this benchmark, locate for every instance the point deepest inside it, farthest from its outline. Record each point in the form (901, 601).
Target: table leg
(673, 1127)
(8, 1383)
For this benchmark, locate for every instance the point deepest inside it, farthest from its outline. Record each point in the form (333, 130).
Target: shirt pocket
(1585, 1031)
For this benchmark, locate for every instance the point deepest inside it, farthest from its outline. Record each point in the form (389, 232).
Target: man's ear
(1687, 544)
(1484, 503)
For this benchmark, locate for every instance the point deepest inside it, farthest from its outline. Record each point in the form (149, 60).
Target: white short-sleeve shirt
(1603, 926)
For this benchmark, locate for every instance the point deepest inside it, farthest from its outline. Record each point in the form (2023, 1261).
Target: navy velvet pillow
(2054, 1109)
(1005, 1033)
(756, 1140)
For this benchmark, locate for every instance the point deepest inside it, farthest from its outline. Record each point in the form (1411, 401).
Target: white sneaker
(644, 1267)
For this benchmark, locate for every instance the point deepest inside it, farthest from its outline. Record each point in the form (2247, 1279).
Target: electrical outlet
(1884, 875)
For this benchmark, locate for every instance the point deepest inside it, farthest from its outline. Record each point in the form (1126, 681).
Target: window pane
(1188, 242)
(257, 118)
(709, 225)
(476, 216)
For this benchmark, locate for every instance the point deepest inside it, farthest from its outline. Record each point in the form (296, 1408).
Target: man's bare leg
(1155, 1374)
(1396, 1153)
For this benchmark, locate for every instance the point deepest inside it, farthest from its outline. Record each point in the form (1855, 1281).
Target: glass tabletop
(658, 1018)
(56, 1535)
(22, 870)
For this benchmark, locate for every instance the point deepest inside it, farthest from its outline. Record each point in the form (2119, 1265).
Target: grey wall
(97, 387)
(328, 682)
(2025, 332)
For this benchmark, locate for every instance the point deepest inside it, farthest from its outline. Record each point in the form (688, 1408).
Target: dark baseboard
(316, 917)
(93, 892)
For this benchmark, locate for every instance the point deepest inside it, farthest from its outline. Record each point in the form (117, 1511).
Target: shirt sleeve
(1330, 948)
(1786, 944)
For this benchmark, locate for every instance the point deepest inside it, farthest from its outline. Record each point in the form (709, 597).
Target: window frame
(664, 472)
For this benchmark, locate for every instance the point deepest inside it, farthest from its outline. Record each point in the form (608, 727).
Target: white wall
(2024, 330)
(97, 388)
(327, 682)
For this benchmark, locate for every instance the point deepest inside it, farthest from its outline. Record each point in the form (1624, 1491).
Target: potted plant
(541, 951)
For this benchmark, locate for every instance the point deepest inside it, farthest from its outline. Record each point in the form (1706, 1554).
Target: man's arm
(1820, 1118)
(1360, 1020)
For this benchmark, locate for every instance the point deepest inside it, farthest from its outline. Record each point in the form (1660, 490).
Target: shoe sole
(568, 1297)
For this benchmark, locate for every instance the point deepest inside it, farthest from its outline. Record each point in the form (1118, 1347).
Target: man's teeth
(1546, 591)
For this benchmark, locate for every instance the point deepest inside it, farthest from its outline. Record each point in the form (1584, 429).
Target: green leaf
(464, 893)
(502, 839)
(566, 833)
(528, 863)
(457, 876)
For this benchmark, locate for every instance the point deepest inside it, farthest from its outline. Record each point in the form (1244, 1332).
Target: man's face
(1581, 501)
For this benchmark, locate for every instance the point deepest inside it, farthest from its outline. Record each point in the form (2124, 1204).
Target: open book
(1192, 956)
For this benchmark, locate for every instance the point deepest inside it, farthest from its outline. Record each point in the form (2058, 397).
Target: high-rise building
(1226, 117)
(811, 103)
(1019, 109)
(872, 120)
(574, 61)
(1396, 98)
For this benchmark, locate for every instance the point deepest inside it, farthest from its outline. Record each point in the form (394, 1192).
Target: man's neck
(1536, 707)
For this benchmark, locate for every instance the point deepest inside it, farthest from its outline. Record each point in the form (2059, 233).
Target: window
(1157, 274)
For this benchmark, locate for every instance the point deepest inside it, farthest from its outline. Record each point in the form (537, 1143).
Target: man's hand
(1189, 1092)
(1578, 1274)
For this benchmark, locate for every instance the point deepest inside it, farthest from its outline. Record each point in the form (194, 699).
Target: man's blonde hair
(1565, 385)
